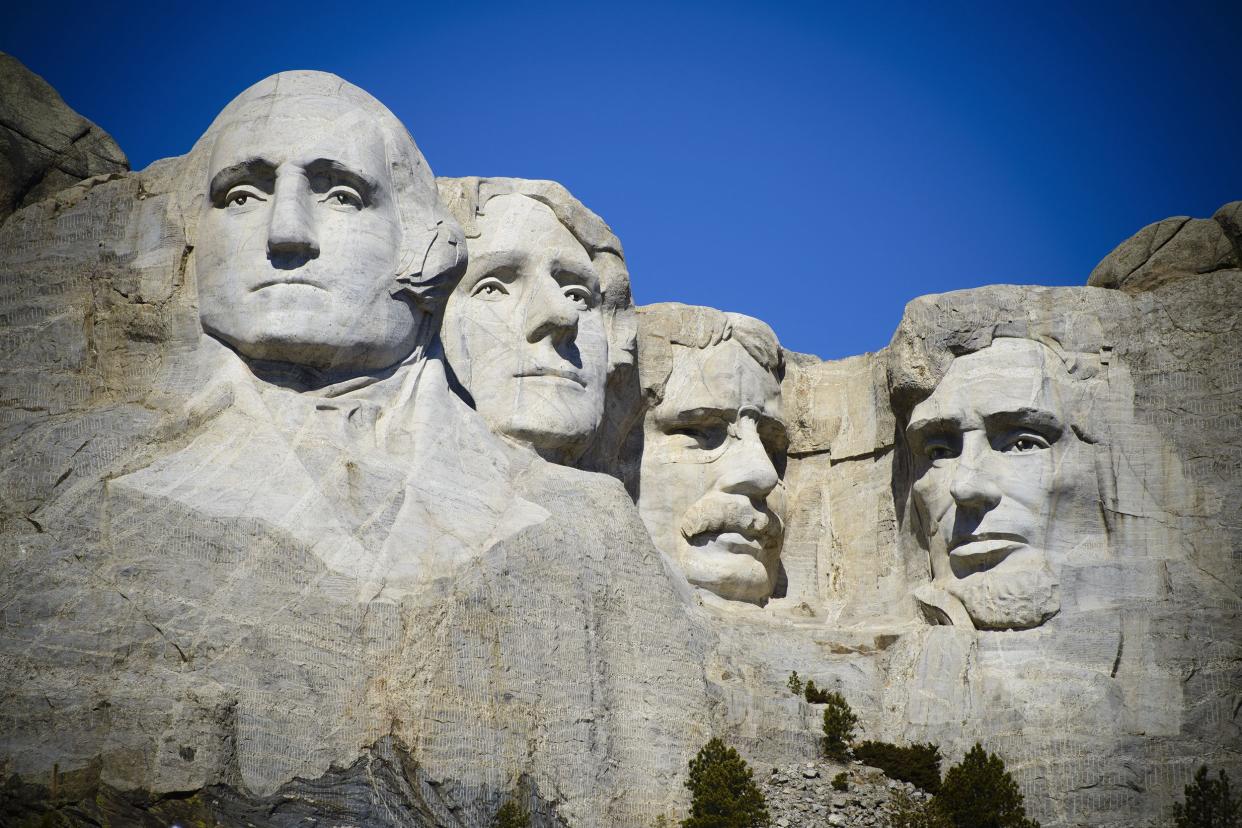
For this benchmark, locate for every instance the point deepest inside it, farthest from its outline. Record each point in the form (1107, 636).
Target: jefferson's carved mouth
(558, 373)
(294, 281)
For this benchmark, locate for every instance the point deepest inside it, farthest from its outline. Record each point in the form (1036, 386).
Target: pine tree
(980, 793)
(795, 683)
(511, 815)
(839, 722)
(723, 792)
(1208, 803)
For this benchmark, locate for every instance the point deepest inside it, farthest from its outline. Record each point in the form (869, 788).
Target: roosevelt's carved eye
(490, 289)
(242, 194)
(342, 196)
(705, 436)
(1023, 443)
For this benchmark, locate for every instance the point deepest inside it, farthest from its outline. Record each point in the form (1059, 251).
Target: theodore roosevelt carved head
(320, 239)
(713, 447)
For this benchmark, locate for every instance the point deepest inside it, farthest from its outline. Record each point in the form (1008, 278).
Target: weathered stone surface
(1082, 703)
(266, 563)
(44, 145)
(1171, 249)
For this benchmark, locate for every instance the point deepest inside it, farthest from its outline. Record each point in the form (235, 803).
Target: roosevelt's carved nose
(973, 486)
(748, 469)
(550, 314)
(291, 231)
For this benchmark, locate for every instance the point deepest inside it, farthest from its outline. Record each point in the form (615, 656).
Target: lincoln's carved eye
(1024, 443)
(938, 448)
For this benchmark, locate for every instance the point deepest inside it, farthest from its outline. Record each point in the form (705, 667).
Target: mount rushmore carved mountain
(332, 490)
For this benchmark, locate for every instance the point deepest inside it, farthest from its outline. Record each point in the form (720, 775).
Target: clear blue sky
(815, 165)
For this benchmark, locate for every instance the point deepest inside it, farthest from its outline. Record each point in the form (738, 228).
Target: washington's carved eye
(240, 195)
(490, 289)
(342, 196)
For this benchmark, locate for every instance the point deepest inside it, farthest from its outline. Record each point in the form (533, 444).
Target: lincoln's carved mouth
(984, 550)
(962, 540)
(294, 281)
(559, 373)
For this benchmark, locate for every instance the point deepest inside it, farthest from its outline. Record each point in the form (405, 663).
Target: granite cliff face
(279, 554)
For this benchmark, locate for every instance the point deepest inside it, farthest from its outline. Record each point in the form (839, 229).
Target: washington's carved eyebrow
(1045, 422)
(256, 170)
(337, 172)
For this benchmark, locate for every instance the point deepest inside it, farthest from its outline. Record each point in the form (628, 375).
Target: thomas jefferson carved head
(1003, 472)
(321, 241)
(713, 447)
(542, 315)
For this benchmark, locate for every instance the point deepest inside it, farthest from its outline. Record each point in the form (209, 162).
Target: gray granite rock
(44, 145)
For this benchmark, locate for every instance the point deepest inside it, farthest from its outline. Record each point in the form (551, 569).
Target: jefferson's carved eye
(343, 196)
(240, 195)
(1024, 443)
(490, 289)
(580, 296)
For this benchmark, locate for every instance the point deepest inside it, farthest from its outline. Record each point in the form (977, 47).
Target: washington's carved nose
(291, 232)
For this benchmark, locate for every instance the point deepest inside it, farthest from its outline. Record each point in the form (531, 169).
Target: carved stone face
(524, 332)
(297, 251)
(999, 478)
(710, 490)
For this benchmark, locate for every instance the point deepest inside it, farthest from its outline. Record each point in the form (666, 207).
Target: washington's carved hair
(432, 255)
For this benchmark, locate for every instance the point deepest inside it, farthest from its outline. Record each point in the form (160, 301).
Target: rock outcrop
(44, 145)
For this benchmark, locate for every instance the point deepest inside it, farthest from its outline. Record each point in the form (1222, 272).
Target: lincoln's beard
(1009, 598)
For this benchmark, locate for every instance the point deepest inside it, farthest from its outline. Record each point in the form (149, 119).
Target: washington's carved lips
(552, 373)
(985, 549)
(294, 281)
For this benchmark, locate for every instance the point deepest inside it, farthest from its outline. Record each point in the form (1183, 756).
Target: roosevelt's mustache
(731, 513)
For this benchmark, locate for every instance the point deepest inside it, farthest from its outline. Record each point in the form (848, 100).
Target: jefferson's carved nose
(291, 231)
(550, 314)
